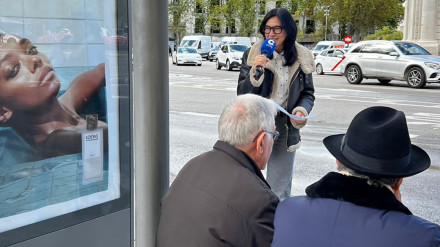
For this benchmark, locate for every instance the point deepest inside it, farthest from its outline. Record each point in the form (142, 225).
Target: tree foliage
(178, 10)
(247, 16)
(386, 33)
(365, 16)
(229, 11)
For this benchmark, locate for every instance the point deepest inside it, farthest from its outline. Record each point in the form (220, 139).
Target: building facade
(422, 24)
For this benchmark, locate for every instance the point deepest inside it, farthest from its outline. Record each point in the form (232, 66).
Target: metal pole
(326, 13)
(149, 41)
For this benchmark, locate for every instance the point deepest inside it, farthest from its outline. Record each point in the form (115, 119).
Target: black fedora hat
(377, 144)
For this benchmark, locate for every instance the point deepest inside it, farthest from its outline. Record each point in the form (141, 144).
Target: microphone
(267, 48)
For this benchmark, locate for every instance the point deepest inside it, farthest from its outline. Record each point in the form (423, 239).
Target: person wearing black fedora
(360, 205)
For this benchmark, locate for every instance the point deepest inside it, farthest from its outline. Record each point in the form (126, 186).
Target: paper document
(293, 116)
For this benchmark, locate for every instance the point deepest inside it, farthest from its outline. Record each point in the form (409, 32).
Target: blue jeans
(280, 164)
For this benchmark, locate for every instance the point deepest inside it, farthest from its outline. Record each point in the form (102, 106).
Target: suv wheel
(416, 78)
(354, 74)
(228, 65)
(217, 65)
(319, 69)
(384, 82)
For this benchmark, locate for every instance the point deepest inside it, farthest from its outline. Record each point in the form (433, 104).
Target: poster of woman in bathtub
(58, 119)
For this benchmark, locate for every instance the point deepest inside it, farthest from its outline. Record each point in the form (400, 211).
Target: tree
(229, 13)
(202, 17)
(178, 9)
(386, 33)
(366, 16)
(247, 16)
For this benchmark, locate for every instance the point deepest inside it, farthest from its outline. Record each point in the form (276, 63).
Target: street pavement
(198, 94)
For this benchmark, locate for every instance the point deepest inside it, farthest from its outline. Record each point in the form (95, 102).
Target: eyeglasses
(274, 134)
(276, 30)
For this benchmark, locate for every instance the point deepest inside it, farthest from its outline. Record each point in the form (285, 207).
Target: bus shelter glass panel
(63, 109)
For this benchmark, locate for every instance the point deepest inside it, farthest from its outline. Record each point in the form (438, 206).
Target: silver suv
(230, 56)
(391, 60)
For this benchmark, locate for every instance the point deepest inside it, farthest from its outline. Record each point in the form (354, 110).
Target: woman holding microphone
(286, 78)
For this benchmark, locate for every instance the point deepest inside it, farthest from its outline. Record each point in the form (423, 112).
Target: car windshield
(408, 48)
(238, 48)
(187, 50)
(321, 47)
(189, 43)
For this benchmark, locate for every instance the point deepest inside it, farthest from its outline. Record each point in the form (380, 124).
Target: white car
(386, 60)
(328, 60)
(322, 45)
(187, 55)
(230, 56)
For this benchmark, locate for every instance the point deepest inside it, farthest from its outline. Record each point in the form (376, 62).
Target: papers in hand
(293, 116)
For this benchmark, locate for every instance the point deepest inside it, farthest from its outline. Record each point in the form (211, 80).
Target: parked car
(213, 53)
(391, 60)
(322, 45)
(187, 55)
(230, 56)
(236, 40)
(201, 42)
(328, 60)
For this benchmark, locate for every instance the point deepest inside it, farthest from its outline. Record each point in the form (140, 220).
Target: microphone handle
(259, 70)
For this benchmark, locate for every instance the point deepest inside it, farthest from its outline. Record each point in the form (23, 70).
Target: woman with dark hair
(287, 80)
(29, 101)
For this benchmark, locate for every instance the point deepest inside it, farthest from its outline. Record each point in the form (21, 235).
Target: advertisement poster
(59, 119)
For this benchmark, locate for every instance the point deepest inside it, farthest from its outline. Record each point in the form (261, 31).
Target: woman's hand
(299, 114)
(261, 60)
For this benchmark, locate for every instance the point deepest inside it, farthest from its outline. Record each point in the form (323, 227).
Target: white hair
(376, 182)
(244, 117)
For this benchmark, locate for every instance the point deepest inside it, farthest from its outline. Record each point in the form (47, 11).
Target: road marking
(225, 85)
(196, 114)
(345, 90)
(357, 98)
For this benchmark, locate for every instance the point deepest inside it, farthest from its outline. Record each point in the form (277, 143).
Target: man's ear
(397, 186)
(260, 143)
(396, 189)
(5, 114)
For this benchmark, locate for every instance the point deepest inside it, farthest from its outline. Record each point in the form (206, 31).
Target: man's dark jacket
(219, 198)
(345, 211)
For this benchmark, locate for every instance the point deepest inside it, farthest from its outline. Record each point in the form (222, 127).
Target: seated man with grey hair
(220, 198)
(360, 205)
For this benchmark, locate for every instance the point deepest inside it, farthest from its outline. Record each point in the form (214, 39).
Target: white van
(200, 42)
(322, 45)
(236, 40)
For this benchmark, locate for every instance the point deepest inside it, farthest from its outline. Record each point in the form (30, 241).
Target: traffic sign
(348, 39)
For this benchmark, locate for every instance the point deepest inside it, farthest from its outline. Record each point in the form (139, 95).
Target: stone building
(422, 24)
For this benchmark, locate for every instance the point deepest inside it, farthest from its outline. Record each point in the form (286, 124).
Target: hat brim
(419, 160)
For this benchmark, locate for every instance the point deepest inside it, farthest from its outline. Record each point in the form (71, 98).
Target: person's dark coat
(301, 90)
(219, 198)
(345, 211)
